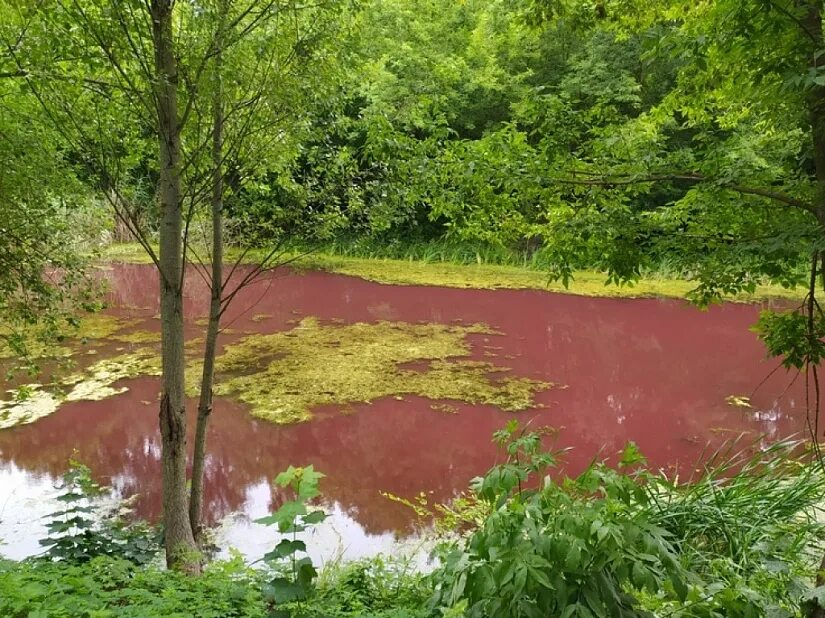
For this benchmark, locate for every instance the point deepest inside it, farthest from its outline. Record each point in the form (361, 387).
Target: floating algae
(283, 376)
(37, 404)
(99, 326)
(95, 384)
(92, 384)
(92, 326)
(102, 326)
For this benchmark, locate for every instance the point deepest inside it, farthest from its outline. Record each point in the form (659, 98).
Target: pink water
(653, 371)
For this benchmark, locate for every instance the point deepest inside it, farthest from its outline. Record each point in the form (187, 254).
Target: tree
(740, 138)
(42, 198)
(113, 77)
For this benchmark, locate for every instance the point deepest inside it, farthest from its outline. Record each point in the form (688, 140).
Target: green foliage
(749, 528)
(375, 588)
(613, 136)
(740, 541)
(573, 549)
(109, 587)
(82, 530)
(294, 582)
(793, 336)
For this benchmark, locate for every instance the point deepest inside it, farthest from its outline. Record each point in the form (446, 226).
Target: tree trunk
(207, 377)
(181, 550)
(816, 112)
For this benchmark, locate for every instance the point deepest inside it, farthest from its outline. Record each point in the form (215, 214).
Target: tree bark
(181, 550)
(208, 375)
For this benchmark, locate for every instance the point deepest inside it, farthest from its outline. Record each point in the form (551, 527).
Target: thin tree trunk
(181, 550)
(207, 377)
(816, 112)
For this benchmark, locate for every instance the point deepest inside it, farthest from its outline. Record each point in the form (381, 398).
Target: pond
(385, 389)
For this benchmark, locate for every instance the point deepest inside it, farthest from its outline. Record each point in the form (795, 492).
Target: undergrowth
(741, 539)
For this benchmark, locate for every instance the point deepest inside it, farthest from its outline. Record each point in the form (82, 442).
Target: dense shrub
(742, 540)
(105, 587)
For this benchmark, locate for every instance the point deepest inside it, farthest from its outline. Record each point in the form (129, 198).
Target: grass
(749, 500)
(435, 269)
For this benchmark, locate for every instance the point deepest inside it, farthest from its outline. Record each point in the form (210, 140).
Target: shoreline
(471, 276)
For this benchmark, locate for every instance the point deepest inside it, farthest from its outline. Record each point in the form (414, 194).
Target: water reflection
(653, 371)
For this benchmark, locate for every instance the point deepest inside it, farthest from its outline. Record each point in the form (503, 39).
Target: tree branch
(776, 196)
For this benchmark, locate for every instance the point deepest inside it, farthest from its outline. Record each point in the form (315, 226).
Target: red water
(653, 371)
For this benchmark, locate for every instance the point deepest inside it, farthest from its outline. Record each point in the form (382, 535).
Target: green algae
(285, 375)
(36, 350)
(92, 327)
(95, 383)
(102, 326)
(475, 276)
(137, 337)
(37, 404)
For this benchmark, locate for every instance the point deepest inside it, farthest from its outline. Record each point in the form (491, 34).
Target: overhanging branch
(603, 181)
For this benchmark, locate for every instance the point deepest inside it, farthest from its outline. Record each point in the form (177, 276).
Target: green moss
(285, 375)
(476, 276)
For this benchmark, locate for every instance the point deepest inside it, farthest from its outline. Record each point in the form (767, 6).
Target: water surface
(657, 372)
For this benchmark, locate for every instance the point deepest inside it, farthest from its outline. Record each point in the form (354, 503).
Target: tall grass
(431, 250)
(748, 504)
(457, 251)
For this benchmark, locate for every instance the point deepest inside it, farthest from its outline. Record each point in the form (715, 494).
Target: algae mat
(31, 402)
(35, 401)
(284, 376)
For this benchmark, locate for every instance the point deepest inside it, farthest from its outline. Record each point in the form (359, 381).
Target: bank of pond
(741, 538)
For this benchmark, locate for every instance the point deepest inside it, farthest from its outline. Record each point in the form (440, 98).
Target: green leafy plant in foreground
(83, 530)
(739, 541)
(571, 549)
(106, 587)
(295, 579)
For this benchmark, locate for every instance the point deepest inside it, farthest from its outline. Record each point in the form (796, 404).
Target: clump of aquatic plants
(283, 376)
(740, 540)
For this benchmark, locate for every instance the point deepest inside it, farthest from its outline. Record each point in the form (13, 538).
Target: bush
(105, 587)
(741, 541)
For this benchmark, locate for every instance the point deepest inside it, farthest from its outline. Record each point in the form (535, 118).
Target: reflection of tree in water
(401, 447)
(656, 372)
